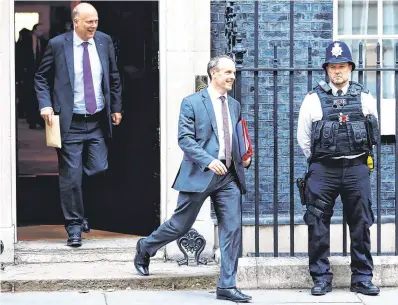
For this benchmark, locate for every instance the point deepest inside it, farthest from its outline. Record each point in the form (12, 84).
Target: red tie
(225, 123)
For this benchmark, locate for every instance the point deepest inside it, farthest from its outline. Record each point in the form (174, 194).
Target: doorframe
(8, 232)
(13, 120)
(162, 65)
(12, 205)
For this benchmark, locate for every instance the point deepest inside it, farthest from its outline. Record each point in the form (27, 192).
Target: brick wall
(312, 24)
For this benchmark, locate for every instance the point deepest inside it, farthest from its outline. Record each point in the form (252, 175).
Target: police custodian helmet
(338, 52)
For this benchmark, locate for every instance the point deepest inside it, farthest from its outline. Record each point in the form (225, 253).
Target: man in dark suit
(29, 51)
(211, 166)
(79, 80)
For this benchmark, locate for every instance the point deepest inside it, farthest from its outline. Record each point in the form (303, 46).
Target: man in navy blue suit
(211, 167)
(79, 80)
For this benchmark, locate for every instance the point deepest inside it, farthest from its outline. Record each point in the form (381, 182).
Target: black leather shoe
(85, 226)
(141, 260)
(366, 287)
(75, 239)
(232, 294)
(321, 288)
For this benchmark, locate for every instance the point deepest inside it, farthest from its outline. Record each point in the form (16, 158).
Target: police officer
(337, 128)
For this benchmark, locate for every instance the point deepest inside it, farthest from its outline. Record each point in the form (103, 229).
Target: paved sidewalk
(388, 296)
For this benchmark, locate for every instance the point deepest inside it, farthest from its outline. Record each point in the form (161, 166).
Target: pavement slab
(302, 296)
(50, 298)
(388, 296)
(164, 298)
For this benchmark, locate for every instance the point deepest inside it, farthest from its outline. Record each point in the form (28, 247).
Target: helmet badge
(337, 50)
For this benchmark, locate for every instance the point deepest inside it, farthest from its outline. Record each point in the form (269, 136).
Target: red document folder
(244, 141)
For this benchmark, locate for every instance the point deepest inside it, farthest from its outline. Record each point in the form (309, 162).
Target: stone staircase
(99, 264)
(107, 264)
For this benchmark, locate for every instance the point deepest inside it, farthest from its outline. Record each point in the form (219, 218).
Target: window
(25, 20)
(369, 22)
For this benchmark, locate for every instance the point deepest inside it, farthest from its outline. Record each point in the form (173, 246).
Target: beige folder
(53, 133)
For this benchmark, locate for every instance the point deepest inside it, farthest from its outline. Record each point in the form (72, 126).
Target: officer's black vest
(343, 129)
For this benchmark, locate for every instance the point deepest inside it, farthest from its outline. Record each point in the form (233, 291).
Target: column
(184, 29)
(7, 131)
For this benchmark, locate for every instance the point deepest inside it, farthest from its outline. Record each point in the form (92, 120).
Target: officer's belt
(342, 162)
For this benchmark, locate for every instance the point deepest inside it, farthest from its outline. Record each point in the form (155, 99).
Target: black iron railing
(236, 49)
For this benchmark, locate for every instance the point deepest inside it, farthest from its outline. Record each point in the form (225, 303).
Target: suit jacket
(25, 64)
(198, 138)
(54, 80)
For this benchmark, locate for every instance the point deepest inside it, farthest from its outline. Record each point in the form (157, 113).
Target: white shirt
(311, 111)
(96, 71)
(217, 105)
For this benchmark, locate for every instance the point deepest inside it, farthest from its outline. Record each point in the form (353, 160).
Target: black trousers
(83, 150)
(350, 180)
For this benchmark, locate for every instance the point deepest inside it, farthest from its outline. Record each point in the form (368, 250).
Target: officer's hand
(47, 115)
(247, 162)
(217, 167)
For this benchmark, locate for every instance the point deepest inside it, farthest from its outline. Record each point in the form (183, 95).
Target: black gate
(273, 74)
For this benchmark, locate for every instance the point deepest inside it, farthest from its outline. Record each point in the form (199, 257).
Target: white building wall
(184, 28)
(7, 131)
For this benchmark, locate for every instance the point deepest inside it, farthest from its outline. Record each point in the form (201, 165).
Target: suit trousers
(226, 197)
(83, 149)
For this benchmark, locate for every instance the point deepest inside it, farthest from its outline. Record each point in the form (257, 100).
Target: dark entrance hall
(130, 201)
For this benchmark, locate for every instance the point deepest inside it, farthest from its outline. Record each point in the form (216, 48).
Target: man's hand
(47, 115)
(217, 167)
(116, 118)
(247, 162)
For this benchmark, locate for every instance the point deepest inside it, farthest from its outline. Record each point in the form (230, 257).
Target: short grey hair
(75, 13)
(214, 62)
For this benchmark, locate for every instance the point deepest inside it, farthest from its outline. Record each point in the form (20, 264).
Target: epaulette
(356, 88)
(356, 85)
(314, 90)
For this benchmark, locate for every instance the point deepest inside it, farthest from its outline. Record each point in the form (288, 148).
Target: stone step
(92, 250)
(261, 272)
(110, 275)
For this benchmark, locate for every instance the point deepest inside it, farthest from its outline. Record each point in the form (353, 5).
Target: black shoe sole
(74, 244)
(86, 230)
(353, 289)
(322, 293)
(138, 270)
(229, 299)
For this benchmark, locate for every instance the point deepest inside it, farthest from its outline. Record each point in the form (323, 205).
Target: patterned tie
(339, 92)
(225, 123)
(89, 94)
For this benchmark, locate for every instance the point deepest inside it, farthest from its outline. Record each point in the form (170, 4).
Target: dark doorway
(130, 201)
